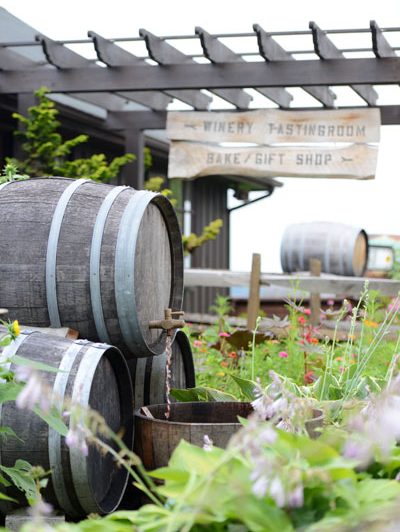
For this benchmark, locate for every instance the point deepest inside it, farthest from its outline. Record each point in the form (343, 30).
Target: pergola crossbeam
(217, 52)
(325, 49)
(380, 45)
(115, 56)
(270, 50)
(166, 54)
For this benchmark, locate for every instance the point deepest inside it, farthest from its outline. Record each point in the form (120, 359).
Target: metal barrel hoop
(95, 256)
(125, 268)
(54, 439)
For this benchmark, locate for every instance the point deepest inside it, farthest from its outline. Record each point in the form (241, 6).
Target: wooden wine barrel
(94, 375)
(342, 249)
(100, 259)
(148, 374)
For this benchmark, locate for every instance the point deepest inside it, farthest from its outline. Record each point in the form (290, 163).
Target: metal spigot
(168, 323)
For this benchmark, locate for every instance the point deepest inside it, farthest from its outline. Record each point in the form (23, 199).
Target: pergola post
(133, 173)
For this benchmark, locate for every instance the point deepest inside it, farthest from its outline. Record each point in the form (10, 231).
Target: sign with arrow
(193, 159)
(269, 126)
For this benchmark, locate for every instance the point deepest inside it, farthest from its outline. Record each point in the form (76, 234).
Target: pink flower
(197, 343)
(283, 354)
(330, 302)
(307, 311)
(224, 335)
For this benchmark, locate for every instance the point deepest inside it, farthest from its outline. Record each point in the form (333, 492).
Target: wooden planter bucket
(156, 438)
(100, 259)
(94, 375)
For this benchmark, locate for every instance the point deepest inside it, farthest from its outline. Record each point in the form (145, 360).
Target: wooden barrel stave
(107, 288)
(80, 485)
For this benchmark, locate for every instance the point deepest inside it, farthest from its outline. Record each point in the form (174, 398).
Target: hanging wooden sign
(268, 126)
(192, 159)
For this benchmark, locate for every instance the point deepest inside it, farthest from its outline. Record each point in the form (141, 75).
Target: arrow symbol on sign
(346, 159)
(191, 126)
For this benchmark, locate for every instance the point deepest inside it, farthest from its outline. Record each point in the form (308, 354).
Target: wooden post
(253, 306)
(315, 298)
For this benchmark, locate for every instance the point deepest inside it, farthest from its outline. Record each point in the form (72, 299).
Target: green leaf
(246, 386)
(7, 432)
(5, 497)
(53, 419)
(9, 391)
(202, 393)
(21, 478)
(21, 361)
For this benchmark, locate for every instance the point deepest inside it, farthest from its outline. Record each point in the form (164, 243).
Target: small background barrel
(100, 259)
(91, 374)
(342, 249)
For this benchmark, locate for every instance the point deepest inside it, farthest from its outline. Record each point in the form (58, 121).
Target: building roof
(131, 82)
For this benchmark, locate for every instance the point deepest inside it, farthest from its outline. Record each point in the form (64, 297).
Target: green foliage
(210, 232)
(10, 173)
(192, 241)
(48, 154)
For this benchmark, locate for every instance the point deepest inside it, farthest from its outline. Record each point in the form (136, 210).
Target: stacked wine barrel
(105, 261)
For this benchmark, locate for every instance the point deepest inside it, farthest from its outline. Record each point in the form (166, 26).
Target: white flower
(277, 492)
(208, 443)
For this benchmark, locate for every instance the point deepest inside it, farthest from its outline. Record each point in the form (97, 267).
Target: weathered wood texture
(155, 439)
(315, 298)
(94, 375)
(326, 284)
(139, 264)
(342, 249)
(148, 374)
(253, 307)
(266, 126)
(188, 160)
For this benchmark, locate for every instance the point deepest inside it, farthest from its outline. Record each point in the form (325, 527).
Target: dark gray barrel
(94, 375)
(342, 249)
(100, 259)
(148, 374)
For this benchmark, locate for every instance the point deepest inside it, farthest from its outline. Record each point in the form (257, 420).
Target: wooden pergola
(135, 91)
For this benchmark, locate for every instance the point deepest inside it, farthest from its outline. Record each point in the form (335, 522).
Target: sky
(371, 205)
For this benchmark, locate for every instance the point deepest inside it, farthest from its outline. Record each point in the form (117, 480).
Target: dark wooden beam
(270, 50)
(140, 119)
(200, 76)
(325, 49)
(132, 174)
(164, 54)
(390, 115)
(380, 45)
(115, 56)
(217, 52)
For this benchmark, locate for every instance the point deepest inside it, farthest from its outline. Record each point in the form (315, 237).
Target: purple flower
(75, 439)
(22, 373)
(295, 498)
(277, 491)
(30, 393)
(208, 443)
